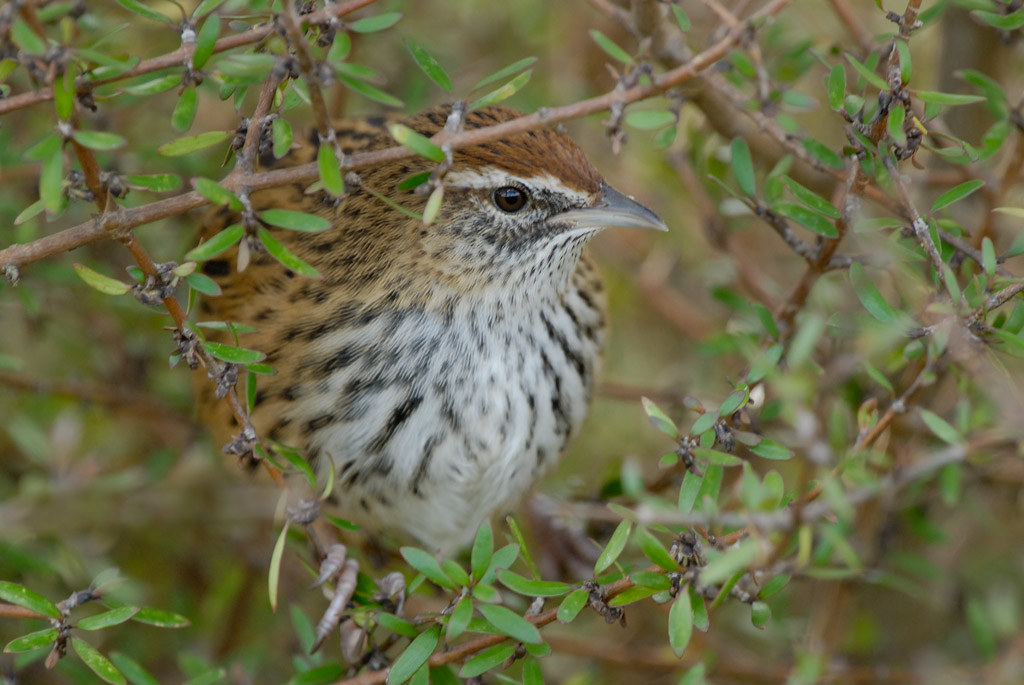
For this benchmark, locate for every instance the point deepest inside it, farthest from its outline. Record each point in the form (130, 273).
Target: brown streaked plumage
(444, 367)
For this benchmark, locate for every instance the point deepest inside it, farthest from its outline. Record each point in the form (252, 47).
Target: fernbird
(443, 367)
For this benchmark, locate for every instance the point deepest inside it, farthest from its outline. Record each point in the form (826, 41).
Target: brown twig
(917, 223)
(173, 59)
(96, 229)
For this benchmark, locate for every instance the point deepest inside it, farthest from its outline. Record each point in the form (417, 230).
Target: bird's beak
(612, 208)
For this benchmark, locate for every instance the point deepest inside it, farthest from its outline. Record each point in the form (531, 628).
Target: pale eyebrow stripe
(493, 177)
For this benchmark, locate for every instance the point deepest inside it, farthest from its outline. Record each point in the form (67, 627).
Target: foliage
(835, 398)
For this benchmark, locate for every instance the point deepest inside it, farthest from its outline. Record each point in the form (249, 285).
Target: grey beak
(612, 209)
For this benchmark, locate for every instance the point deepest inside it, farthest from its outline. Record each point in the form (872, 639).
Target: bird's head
(517, 206)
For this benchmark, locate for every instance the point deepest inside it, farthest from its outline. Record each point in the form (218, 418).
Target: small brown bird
(442, 368)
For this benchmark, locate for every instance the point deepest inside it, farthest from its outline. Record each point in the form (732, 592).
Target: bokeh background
(104, 465)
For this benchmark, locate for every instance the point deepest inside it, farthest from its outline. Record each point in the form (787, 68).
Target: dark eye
(509, 199)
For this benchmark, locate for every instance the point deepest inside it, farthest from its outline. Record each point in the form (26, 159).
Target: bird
(441, 368)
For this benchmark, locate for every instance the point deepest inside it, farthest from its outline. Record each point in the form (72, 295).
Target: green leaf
(217, 244)
(97, 281)
(99, 664)
(742, 166)
(711, 484)
(142, 10)
(941, 427)
(234, 355)
(572, 605)
(631, 595)
(295, 221)
(769, 449)
(835, 84)
(703, 423)
(654, 550)
(811, 198)
(870, 76)
(649, 119)
(414, 181)
(375, 23)
(459, 619)
(760, 614)
(132, 669)
(154, 85)
(869, 296)
(368, 91)
(532, 588)
(274, 571)
(651, 580)
(414, 656)
(340, 48)
(688, 492)
(510, 623)
(724, 565)
(427, 564)
(956, 194)
(26, 39)
(532, 674)
(330, 170)
(486, 593)
(107, 618)
(203, 284)
(216, 193)
(487, 659)
(1006, 22)
(681, 18)
(774, 586)
(184, 110)
(822, 153)
(44, 149)
(735, 400)
(281, 134)
(988, 256)
(156, 182)
(948, 98)
(609, 46)
(247, 67)
(659, 419)
(64, 94)
(433, 206)
(301, 465)
(206, 40)
(417, 142)
(454, 571)
(160, 618)
(716, 457)
(430, 66)
(700, 610)
(51, 182)
(483, 550)
(502, 558)
(894, 125)
(504, 92)
(806, 218)
(505, 72)
(36, 640)
(906, 64)
(184, 146)
(614, 548)
(680, 623)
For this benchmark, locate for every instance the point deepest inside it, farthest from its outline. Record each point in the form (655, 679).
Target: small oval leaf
(97, 281)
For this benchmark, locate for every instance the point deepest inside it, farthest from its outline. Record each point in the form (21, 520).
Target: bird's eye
(509, 199)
